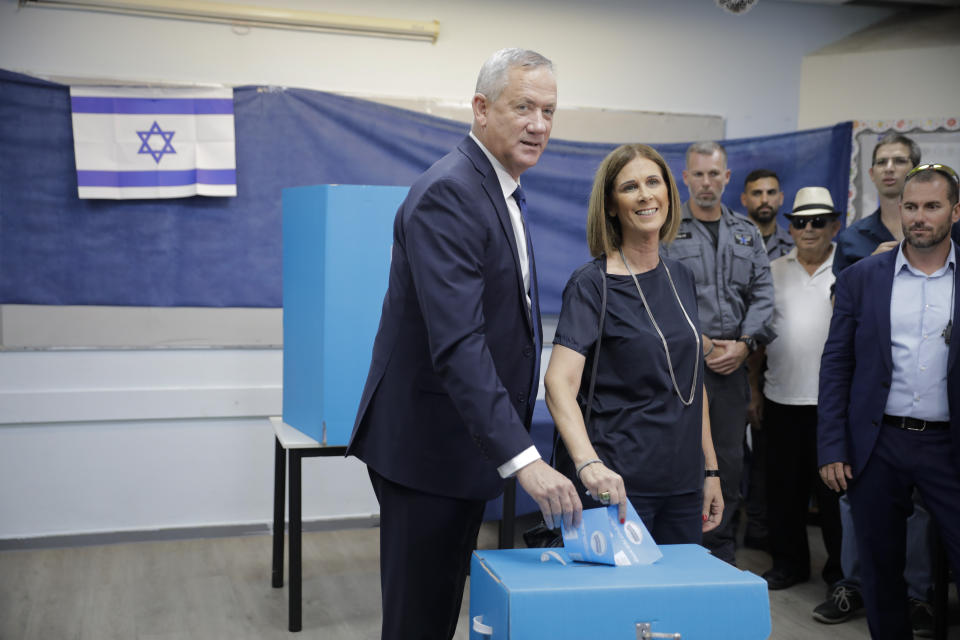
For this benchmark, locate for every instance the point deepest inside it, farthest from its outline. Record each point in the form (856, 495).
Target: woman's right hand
(598, 478)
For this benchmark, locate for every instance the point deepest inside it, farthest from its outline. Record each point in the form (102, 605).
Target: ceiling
(886, 3)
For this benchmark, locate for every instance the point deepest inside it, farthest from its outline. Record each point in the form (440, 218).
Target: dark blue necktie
(521, 201)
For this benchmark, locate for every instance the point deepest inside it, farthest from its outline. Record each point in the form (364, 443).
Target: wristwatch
(749, 341)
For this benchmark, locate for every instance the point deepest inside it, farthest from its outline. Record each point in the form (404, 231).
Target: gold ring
(604, 497)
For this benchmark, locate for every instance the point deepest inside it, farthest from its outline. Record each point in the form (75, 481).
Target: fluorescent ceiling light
(255, 16)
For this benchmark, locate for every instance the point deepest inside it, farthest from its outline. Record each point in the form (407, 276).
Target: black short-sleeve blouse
(638, 425)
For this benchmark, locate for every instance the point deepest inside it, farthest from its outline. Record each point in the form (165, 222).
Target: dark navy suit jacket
(857, 367)
(446, 399)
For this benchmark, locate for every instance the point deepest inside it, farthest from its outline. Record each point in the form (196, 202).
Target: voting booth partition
(531, 594)
(336, 262)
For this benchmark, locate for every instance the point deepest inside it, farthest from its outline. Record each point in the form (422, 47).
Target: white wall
(99, 441)
(124, 440)
(684, 56)
(900, 69)
(879, 85)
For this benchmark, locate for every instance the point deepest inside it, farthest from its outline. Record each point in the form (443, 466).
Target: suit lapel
(955, 337)
(491, 185)
(882, 281)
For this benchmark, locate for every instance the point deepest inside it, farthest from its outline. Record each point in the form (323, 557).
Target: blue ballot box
(515, 595)
(336, 262)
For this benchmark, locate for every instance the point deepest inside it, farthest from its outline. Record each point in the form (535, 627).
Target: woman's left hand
(599, 479)
(712, 504)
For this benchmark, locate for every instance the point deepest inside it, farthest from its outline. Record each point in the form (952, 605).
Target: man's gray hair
(705, 149)
(492, 79)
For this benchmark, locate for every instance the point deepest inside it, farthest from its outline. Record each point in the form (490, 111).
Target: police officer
(762, 199)
(735, 296)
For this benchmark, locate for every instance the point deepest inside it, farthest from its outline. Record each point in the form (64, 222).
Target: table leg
(296, 574)
(508, 514)
(279, 493)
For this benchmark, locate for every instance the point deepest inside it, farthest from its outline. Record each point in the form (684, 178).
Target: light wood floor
(220, 588)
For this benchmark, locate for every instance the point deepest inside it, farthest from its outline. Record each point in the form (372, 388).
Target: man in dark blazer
(889, 403)
(445, 413)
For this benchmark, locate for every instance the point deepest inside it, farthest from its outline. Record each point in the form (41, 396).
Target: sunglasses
(817, 222)
(939, 168)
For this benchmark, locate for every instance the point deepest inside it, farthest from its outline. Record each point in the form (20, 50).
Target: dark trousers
(425, 545)
(792, 475)
(729, 397)
(672, 519)
(755, 501)
(881, 499)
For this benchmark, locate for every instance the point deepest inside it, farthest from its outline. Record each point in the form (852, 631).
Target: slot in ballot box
(516, 595)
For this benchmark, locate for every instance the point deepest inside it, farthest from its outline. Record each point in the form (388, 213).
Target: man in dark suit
(446, 409)
(889, 415)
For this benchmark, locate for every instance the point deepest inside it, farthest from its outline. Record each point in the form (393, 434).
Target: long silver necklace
(666, 349)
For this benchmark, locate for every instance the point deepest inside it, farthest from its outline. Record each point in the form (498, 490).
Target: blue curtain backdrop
(226, 252)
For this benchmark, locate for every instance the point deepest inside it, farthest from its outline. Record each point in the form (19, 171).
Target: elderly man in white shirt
(802, 281)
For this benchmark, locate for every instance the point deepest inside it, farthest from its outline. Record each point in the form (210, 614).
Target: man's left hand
(553, 492)
(727, 356)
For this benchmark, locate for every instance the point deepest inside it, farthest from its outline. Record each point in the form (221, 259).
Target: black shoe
(779, 579)
(921, 618)
(842, 603)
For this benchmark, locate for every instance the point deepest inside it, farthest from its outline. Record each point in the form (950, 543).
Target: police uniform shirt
(734, 285)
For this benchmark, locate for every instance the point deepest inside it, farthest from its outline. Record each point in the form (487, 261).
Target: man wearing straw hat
(802, 280)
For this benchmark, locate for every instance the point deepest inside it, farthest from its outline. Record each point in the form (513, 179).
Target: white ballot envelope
(601, 539)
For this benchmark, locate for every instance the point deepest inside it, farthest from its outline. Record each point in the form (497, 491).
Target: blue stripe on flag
(155, 178)
(153, 106)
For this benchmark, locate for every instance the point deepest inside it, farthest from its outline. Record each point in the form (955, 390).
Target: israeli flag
(154, 142)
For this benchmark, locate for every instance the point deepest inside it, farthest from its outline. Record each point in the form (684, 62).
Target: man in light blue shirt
(919, 386)
(889, 415)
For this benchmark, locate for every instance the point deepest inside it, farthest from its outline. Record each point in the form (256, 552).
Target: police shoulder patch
(744, 239)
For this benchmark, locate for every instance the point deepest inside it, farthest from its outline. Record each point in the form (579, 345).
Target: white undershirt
(801, 320)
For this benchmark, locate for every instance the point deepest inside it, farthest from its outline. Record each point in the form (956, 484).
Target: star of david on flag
(166, 137)
(154, 142)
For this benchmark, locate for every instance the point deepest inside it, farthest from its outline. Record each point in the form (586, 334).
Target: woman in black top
(648, 438)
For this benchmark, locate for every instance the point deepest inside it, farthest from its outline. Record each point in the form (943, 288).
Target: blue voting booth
(336, 261)
(516, 595)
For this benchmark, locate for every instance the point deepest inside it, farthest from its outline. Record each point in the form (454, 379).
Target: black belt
(913, 424)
